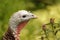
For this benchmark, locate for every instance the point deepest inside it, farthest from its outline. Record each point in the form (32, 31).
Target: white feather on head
(18, 17)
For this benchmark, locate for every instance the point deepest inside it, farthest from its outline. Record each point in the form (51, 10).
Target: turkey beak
(34, 16)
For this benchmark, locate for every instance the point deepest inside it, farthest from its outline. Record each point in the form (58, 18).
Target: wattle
(20, 26)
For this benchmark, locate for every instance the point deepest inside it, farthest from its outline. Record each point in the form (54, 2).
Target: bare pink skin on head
(19, 27)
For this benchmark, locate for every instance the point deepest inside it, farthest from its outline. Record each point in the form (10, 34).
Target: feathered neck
(11, 35)
(8, 35)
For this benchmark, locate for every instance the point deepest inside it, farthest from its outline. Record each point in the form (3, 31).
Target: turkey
(17, 21)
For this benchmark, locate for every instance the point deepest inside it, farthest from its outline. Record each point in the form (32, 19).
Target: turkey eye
(24, 16)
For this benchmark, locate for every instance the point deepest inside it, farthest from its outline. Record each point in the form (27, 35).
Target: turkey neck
(9, 35)
(21, 26)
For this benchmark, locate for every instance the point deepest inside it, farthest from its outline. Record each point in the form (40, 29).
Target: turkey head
(17, 21)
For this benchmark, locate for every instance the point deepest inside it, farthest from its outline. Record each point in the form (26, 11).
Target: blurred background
(44, 9)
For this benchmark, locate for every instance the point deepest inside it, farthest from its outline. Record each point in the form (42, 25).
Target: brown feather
(8, 35)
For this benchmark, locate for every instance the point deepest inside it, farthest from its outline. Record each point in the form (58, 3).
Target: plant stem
(46, 35)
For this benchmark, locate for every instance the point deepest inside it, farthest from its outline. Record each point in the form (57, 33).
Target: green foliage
(33, 30)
